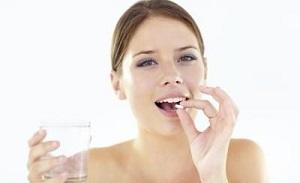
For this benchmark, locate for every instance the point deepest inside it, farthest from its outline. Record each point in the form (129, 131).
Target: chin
(170, 128)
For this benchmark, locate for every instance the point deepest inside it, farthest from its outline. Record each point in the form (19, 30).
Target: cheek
(140, 95)
(139, 87)
(143, 83)
(193, 78)
(194, 75)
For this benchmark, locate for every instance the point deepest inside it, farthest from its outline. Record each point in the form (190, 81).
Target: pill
(178, 106)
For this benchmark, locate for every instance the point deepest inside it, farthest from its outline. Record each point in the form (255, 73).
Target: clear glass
(74, 139)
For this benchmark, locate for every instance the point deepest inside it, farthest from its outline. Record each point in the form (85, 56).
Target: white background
(55, 64)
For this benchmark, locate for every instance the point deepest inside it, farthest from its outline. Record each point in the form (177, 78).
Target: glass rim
(62, 123)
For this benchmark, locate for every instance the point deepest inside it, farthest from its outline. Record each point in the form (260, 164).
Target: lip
(173, 113)
(173, 95)
(170, 114)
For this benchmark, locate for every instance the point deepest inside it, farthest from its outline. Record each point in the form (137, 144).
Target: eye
(145, 63)
(187, 58)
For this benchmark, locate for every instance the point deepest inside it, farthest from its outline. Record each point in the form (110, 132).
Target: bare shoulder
(106, 163)
(246, 162)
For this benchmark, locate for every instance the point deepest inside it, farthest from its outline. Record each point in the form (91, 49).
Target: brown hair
(139, 12)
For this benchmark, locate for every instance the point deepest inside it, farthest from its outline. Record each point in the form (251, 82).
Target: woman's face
(163, 64)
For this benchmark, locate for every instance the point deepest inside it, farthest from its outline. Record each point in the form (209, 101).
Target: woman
(158, 65)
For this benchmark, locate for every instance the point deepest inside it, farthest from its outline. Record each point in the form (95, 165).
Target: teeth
(172, 100)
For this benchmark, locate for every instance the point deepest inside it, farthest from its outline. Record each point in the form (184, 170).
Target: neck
(151, 144)
(164, 155)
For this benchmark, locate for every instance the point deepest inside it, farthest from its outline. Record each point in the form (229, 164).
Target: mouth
(167, 106)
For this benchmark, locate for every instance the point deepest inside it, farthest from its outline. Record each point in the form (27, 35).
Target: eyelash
(191, 58)
(147, 62)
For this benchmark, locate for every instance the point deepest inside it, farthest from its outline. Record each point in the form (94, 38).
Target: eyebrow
(186, 47)
(153, 51)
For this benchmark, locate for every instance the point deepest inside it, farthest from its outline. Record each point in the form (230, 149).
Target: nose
(172, 79)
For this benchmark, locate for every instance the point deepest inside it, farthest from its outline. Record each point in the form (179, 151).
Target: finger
(40, 150)
(214, 92)
(227, 107)
(37, 138)
(42, 166)
(226, 104)
(208, 109)
(187, 124)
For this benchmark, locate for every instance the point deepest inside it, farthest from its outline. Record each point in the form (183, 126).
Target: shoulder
(246, 162)
(106, 163)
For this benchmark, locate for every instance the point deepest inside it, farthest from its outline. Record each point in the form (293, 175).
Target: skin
(167, 149)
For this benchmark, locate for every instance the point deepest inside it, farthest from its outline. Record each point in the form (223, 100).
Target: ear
(117, 86)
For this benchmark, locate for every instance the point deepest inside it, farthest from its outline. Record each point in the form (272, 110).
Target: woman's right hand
(38, 166)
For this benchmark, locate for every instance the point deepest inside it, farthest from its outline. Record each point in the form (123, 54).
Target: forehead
(156, 32)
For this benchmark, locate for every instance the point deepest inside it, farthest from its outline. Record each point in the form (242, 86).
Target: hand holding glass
(74, 139)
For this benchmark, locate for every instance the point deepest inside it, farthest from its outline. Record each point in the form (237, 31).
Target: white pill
(178, 106)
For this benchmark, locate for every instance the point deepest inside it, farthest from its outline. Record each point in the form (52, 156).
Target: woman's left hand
(209, 148)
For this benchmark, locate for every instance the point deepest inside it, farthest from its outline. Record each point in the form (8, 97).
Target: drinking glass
(74, 139)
